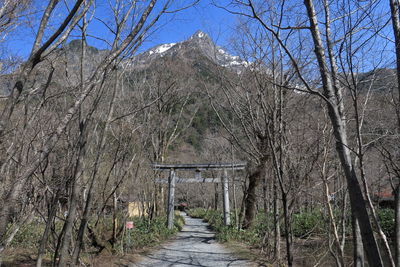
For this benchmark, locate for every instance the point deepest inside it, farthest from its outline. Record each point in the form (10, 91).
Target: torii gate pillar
(225, 191)
(171, 197)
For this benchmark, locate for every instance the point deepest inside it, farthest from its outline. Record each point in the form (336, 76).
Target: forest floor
(193, 246)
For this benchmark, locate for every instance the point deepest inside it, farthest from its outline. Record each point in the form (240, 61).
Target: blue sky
(204, 16)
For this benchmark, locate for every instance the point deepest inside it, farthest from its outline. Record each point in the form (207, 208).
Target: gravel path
(194, 246)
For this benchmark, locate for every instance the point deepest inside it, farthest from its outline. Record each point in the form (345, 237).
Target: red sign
(129, 225)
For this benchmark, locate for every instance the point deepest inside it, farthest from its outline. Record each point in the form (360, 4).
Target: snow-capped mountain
(198, 43)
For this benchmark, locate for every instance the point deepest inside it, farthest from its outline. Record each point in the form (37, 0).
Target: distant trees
(167, 111)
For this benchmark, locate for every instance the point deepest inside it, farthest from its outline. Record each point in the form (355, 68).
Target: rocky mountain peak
(199, 43)
(75, 46)
(200, 36)
(202, 41)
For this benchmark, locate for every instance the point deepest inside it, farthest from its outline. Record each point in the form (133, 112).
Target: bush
(29, 235)
(225, 233)
(197, 213)
(150, 232)
(386, 219)
(307, 223)
(179, 221)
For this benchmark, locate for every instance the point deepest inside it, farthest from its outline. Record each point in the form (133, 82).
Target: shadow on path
(194, 246)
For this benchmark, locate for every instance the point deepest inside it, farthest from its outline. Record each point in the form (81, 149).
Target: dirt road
(194, 246)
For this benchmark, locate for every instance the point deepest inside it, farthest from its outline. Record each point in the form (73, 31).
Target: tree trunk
(397, 220)
(235, 204)
(115, 218)
(5, 213)
(66, 234)
(358, 251)
(45, 236)
(335, 109)
(251, 196)
(394, 8)
(288, 232)
(265, 195)
(242, 208)
(277, 228)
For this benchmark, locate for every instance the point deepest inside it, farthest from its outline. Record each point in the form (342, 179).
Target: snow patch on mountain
(161, 48)
(237, 63)
(227, 60)
(199, 34)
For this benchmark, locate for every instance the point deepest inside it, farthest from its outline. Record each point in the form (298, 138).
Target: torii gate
(197, 168)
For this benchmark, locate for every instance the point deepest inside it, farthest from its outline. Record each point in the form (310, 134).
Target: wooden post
(171, 196)
(225, 191)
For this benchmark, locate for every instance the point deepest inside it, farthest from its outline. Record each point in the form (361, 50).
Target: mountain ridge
(198, 50)
(198, 42)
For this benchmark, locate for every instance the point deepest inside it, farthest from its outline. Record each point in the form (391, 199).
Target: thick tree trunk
(250, 201)
(251, 196)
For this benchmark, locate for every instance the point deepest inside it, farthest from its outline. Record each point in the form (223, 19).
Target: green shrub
(225, 233)
(263, 223)
(386, 219)
(29, 235)
(179, 221)
(307, 223)
(150, 232)
(197, 213)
